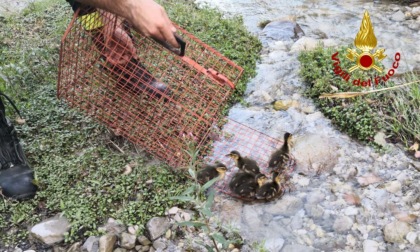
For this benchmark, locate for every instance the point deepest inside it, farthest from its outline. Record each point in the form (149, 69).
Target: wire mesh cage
(249, 143)
(158, 99)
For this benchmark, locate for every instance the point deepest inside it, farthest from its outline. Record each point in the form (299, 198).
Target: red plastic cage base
(248, 142)
(123, 96)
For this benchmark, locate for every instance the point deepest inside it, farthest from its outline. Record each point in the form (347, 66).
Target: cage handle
(178, 51)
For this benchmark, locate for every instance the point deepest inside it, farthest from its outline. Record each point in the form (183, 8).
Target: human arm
(146, 16)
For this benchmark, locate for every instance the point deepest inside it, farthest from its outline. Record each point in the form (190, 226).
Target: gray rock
(113, 227)
(128, 241)
(297, 248)
(314, 211)
(342, 224)
(251, 215)
(91, 244)
(370, 246)
(156, 227)
(287, 206)
(159, 244)
(315, 197)
(274, 244)
(396, 231)
(281, 31)
(143, 240)
(107, 242)
(145, 248)
(398, 16)
(52, 230)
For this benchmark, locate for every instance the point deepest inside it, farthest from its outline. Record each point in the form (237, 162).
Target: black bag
(16, 177)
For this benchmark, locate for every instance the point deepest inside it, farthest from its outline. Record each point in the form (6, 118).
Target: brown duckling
(280, 157)
(271, 189)
(246, 184)
(244, 163)
(210, 172)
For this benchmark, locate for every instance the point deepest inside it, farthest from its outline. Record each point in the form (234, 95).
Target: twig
(116, 146)
(345, 95)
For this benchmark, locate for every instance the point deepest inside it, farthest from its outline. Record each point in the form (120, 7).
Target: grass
(395, 112)
(79, 173)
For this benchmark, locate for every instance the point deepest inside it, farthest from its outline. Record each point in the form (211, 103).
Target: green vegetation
(79, 174)
(396, 112)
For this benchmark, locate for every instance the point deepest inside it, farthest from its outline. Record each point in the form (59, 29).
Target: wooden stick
(345, 95)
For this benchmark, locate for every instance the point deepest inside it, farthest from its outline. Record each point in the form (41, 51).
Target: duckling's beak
(228, 155)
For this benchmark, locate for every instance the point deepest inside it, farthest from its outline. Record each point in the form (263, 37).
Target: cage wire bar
(248, 142)
(123, 96)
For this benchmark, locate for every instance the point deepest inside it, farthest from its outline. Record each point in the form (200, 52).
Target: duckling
(209, 172)
(271, 189)
(280, 157)
(244, 163)
(246, 184)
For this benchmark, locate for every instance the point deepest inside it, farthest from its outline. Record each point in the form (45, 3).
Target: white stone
(398, 16)
(351, 211)
(411, 237)
(304, 43)
(173, 210)
(351, 241)
(52, 230)
(393, 186)
(342, 224)
(396, 231)
(274, 244)
(370, 246)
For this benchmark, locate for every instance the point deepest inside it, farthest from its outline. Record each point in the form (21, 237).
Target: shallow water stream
(332, 170)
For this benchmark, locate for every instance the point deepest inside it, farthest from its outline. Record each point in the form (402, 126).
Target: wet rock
(281, 31)
(274, 244)
(370, 246)
(159, 244)
(304, 43)
(51, 231)
(143, 240)
(342, 224)
(396, 231)
(128, 241)
(297, 248)
(107, 242)
(398, 16)
(91, 244)
(287, 206)
(156, 227)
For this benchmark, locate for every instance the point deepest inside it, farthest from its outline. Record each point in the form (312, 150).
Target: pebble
(412, 237)
(351, 211)
(143, 240)
(396, 231)
(370, 246)
(128, 241)
(393, 186)
(342, 224)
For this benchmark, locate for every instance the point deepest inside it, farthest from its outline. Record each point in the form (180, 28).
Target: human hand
(150, 19)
